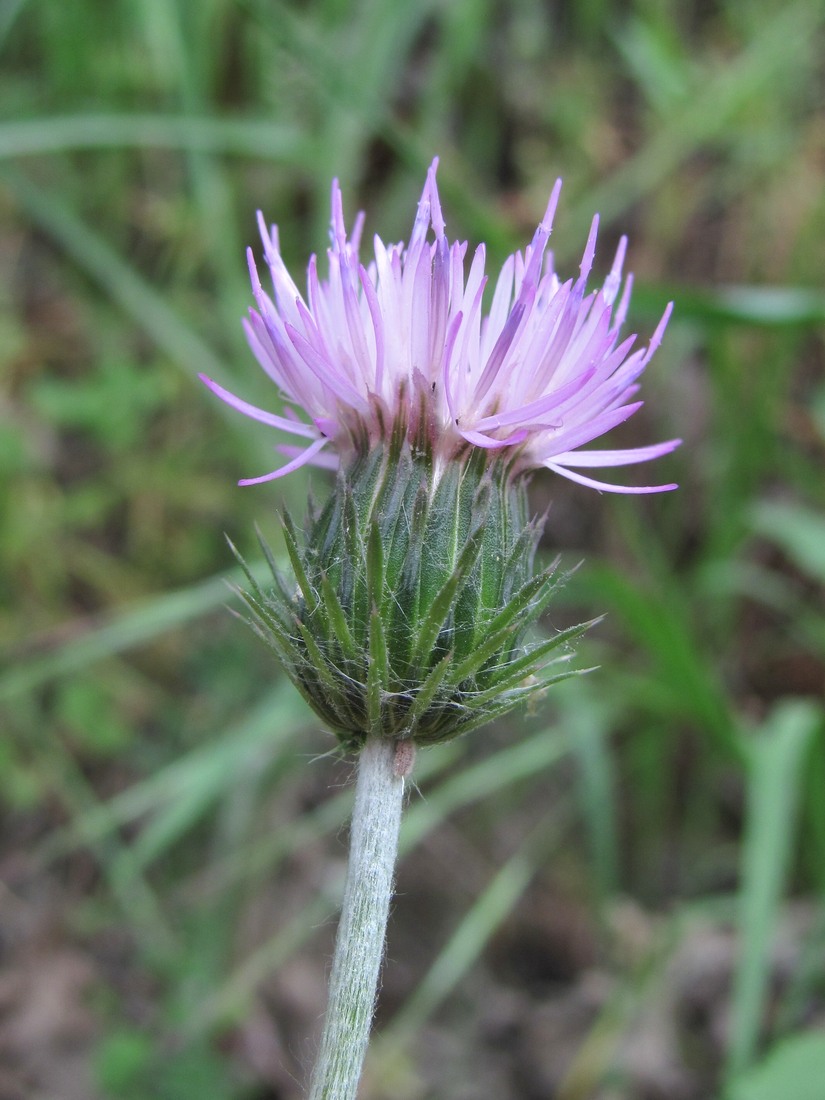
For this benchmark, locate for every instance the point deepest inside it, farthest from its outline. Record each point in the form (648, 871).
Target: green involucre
(412, 597)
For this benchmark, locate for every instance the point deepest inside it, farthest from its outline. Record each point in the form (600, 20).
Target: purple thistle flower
(540, 375)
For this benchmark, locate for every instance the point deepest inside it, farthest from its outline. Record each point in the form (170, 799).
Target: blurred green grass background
(173, 839)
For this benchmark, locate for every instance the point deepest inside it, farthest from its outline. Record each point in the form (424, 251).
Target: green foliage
(796, 1068)
(129, 1069)
(777, 758)
(153, 764)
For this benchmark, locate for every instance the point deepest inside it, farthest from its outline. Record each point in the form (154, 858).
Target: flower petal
(301, 460)
(625, 457)
(275, 421)
(606, 487)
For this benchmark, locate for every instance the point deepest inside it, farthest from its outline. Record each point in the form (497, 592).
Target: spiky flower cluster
(539, 376)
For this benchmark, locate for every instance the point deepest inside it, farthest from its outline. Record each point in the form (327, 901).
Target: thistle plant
(409, 614)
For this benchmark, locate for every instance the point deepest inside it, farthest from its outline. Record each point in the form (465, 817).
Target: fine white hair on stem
(359, 944)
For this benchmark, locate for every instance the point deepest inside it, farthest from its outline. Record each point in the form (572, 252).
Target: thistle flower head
(536, 376)
(414, 585)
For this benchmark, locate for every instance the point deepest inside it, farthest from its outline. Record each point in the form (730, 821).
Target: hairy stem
(359, 946)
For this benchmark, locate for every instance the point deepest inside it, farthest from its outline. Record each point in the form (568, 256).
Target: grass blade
(774, 782)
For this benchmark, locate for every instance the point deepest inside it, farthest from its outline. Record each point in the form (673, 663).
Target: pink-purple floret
(542, 372)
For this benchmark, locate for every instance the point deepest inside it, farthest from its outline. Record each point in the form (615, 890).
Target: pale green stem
(359, 945)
